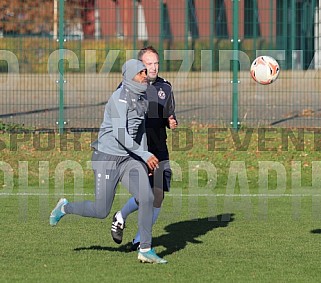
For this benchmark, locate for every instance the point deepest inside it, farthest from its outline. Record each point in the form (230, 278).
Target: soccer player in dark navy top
(160, 115)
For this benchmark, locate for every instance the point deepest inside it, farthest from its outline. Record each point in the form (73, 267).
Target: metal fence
(60, 60)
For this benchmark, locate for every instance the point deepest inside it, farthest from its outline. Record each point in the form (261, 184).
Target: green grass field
(243, 207)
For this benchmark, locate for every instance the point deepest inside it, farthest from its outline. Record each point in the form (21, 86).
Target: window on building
(220, 19)
(192, 20)
(166, 24)
(251, 19)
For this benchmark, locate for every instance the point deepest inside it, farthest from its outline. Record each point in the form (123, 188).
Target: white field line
(168, 194)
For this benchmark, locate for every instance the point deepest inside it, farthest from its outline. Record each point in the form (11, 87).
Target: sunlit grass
(242, 208)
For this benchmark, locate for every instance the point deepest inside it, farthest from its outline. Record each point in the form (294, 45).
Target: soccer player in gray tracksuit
(161, 115)
(120, 155)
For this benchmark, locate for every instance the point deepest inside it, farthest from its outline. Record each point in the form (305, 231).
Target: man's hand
(152, 163)
(172, 122)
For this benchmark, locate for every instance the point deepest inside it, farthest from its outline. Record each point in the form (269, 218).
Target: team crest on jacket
(161, 94)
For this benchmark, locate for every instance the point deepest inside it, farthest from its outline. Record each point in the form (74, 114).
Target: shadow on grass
(181, 233)
(316, 231)
(178, 234)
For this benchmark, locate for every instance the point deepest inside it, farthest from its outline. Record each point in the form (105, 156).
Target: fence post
(161, 34)
(135, 24)
(293, 31)
(186, 26)
(235, 40)
(285, 11)
(61, 62)
(212, 33)
(255, 21)
(271, 25)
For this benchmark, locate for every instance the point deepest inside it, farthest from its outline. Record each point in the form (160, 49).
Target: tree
(35, 17)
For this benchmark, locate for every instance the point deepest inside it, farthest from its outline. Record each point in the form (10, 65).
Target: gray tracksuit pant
(109, 170)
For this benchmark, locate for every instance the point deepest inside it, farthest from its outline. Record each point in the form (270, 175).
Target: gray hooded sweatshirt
(122, 131)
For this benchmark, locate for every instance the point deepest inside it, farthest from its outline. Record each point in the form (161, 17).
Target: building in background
(280, 24)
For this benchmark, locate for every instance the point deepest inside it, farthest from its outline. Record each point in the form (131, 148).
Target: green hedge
(33, 53)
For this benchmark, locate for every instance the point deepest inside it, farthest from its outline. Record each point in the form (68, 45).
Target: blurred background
(61, 60)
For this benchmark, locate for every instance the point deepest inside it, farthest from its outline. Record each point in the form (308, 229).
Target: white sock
(144, 250)
(119, 217)
(156, 211)
(129, 207)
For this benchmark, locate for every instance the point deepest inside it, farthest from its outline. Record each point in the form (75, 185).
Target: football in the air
(265, 70)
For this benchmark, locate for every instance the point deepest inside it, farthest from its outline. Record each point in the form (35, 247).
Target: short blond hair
(145, 50)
